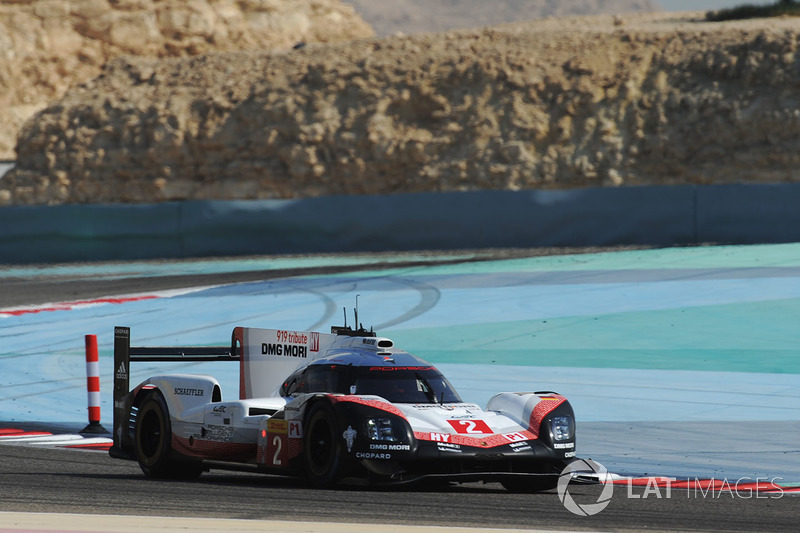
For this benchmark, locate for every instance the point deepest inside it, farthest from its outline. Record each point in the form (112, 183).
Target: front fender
(536, 411)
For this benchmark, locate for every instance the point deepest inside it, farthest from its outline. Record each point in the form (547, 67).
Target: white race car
(332, 407)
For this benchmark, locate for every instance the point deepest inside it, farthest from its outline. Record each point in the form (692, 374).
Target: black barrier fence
(658, 216)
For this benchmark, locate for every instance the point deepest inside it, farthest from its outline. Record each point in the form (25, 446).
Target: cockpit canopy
(397, 384)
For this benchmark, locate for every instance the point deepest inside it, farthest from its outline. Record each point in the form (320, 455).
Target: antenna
(359, 330)
(355, 312)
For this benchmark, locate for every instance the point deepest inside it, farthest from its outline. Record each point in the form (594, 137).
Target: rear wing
(125, 354)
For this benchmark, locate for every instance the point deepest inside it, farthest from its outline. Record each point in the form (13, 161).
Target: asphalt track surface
(65, 481)
(38, 289)
(56, 481)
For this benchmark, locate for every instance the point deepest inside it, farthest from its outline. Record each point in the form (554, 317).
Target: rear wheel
(153, 438)
(322, 447)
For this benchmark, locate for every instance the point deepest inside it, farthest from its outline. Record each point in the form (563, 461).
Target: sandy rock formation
(47, 46)
(598, 101)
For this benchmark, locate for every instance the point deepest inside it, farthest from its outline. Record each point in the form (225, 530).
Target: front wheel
(153, 438)
(322, 448)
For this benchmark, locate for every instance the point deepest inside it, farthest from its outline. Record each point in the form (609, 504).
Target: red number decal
(470, 427)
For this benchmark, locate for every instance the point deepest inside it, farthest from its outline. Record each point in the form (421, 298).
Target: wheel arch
(314, 399)
(141, 393)
(336, 467)
(153, 439)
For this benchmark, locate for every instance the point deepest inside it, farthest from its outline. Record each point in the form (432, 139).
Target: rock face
(598, 101)
(46, 46)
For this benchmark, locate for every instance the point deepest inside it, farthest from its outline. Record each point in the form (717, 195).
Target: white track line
(52, 440)
(22, 522)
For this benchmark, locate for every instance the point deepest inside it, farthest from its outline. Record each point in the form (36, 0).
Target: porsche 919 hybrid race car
(332, 407)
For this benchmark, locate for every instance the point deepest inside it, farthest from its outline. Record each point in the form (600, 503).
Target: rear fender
(183, 393)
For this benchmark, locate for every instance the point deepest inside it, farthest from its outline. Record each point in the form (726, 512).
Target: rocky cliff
(597, 101)
(47, 46)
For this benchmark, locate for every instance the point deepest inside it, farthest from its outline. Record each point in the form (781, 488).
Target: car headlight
(380, 429)
(562, 428)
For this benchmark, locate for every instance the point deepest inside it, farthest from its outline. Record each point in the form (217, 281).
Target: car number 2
(470, 427)
(276, 450)
(278, 443)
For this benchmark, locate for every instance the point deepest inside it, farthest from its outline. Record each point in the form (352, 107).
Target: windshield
(405, 384)
(398, 384)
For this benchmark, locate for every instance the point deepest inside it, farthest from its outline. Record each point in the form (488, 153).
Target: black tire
(322, 446)
(531, 484)
(153, 438)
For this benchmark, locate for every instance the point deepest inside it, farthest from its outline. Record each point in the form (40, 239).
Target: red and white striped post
(93, 385)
